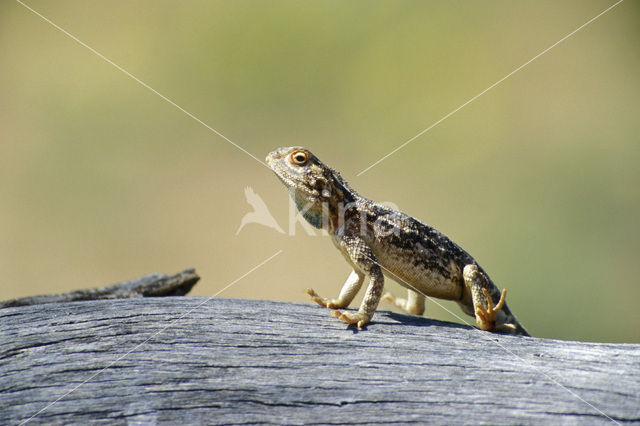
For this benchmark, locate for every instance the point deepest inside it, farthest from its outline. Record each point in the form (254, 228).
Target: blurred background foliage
(101, 180)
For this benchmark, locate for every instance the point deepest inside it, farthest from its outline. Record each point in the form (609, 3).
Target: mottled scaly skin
(378, 241)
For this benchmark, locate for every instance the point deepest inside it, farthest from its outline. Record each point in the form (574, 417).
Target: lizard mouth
(301, 178)
(273, 161)
(277, 161)
(270, 158)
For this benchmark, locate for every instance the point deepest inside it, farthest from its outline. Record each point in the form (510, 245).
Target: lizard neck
(325, 200)
(341, 203)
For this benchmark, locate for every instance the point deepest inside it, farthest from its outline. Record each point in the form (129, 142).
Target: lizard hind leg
(413, 304)
(483, 293)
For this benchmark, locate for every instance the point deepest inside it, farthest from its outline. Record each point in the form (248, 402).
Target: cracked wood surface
(191, 360)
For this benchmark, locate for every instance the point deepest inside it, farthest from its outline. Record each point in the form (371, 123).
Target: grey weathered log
(152, 285)
(189, 360)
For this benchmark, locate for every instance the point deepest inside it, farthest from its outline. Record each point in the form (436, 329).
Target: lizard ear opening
(299, 157)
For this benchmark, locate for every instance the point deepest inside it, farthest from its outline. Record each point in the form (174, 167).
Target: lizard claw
(325, 303)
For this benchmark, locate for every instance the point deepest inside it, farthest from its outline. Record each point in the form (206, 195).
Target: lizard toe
(357, 318)
(316, 298)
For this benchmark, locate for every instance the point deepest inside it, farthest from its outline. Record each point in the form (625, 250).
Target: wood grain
(184, 360)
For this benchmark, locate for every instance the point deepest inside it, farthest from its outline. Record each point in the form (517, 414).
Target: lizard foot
(358, 318)
(486, 318)
(413, 305)
(325, 303)
(389, 297)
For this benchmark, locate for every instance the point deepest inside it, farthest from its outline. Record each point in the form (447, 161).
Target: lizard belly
(426, 273)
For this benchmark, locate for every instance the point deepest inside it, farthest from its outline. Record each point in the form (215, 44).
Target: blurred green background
(102, 181)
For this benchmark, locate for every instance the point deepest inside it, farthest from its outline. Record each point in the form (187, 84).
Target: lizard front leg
(364, 261)
(348, 292)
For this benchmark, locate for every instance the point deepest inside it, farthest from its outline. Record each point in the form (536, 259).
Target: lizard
(378, 241)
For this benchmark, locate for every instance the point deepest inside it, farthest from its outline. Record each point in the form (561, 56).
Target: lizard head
(309, 181)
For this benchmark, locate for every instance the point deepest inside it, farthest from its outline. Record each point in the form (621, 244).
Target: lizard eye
(299, 158)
